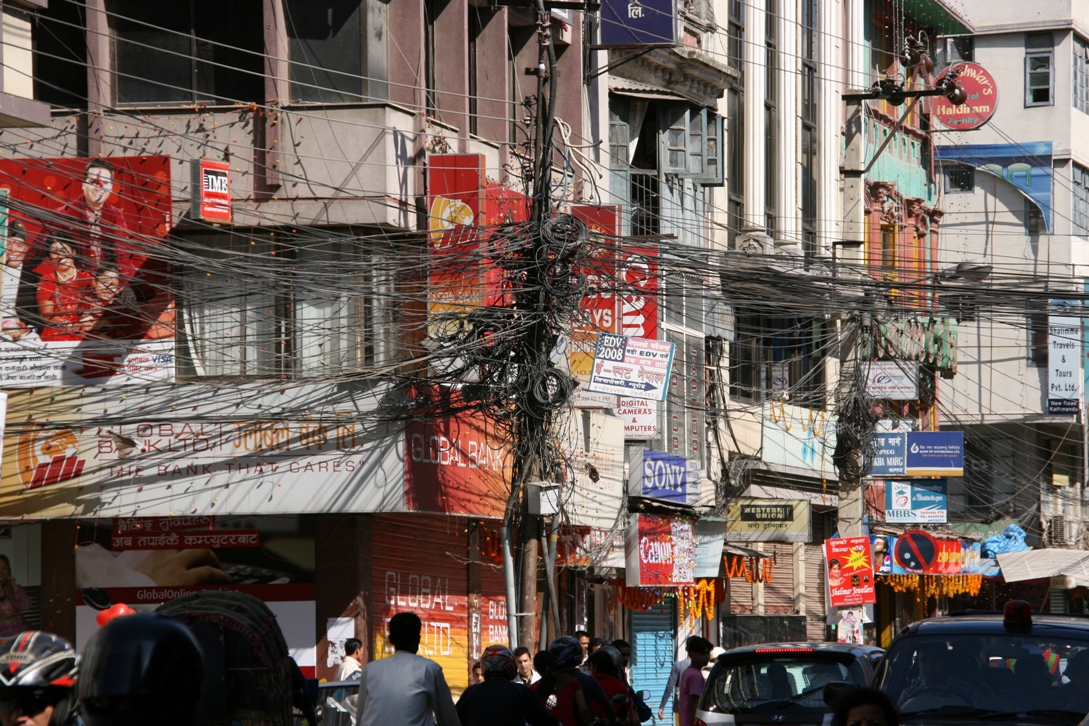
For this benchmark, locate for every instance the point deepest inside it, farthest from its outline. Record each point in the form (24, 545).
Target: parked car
(1014, 667)
(781, 683)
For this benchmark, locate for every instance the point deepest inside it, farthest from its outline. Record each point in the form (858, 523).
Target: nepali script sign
(632, 367)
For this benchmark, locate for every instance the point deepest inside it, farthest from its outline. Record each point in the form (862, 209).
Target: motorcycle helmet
(567, 651)
(38, 670)
(498, 659)
(609, 659)
(141, 669)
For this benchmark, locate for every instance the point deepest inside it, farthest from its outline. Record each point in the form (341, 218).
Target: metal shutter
(419, 566)
(779, 593)
(740, 593)
(653, 652)
(815, 611)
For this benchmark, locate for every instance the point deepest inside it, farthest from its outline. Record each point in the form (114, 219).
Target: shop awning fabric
(732, 549)
(1036, 564)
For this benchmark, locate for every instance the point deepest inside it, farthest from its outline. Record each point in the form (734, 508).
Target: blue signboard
(915, 502)
(637, 23)
(669, 477)
(890, 454)
(935, 453)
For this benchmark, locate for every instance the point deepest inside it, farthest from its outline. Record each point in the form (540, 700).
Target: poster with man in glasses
(84, 298)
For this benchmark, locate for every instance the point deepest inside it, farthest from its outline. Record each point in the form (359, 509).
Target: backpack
(247, 669)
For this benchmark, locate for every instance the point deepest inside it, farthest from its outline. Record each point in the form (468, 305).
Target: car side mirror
(835, 690)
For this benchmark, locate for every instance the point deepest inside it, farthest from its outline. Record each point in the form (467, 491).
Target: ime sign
(212, 190)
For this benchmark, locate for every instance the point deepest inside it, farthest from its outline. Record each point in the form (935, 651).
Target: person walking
(674, 679)
(499, 700)
(524, 660)
(691, 685)
(405, 688)
(350, 669)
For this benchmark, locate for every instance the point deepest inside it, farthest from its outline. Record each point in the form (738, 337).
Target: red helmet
(498, 659)
(39, 668)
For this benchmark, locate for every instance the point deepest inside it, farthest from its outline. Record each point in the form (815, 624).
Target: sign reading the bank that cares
(982, 100)
(660, 551)
(166, 451)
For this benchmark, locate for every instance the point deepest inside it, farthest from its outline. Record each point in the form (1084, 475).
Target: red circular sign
(981, 103)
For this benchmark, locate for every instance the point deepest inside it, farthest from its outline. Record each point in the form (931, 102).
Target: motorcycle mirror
(644, 695)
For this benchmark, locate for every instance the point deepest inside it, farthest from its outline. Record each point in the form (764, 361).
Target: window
(185, 52)
(684, 147)
(1038, 335)
(959, 178)
(888, 253)
(305, 324)
(686, 403)
(1039, 70)
(326, 47)
(1080, 75)
(60, 55)
(772, 356)
(1034, 219)
(736, 33)
(1080, 217)
(807, 169)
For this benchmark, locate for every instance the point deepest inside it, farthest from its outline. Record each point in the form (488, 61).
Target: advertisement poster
(144, 562)
(893, 380)
(632, 367)
(639, 294)
(881, 548)
(768, 520)
(85, 291)
(455, 272)
(800, 438)
(916, 552)
(849, 571)
(1027, 165)
(640, 418)
(170, 450)
(916, 501)
(598, 309)
(660, 551)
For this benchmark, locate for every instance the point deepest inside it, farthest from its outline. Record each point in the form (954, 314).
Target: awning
(733, 549)
(1037, 564)
(635, 89)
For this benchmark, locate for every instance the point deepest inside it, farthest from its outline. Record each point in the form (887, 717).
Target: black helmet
(567, 651)
(499, 659)
(38, 669)
(141, 669)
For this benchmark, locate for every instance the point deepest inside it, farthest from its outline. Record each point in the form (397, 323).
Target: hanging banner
(768, 520)
(1064, 377)
(599, 308)
(633, 367)
(916, 552)
(892, 380)
(935, 453)
(849, 569)
(640, 418)
(84, 297)
(660, 551)
(916, 502)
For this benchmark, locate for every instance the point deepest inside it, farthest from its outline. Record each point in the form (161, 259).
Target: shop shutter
(815, 611)
(419, 566)
(653, 652)
(740, 589)
(779, 593)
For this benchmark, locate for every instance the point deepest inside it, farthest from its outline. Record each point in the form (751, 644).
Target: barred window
(1081, 200)
(1080, 75)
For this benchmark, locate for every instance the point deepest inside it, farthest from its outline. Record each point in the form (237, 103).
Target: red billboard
(85, 292)
(213, 187)
(850, 572)
(599, 309)
(639, 292)
(660, 551)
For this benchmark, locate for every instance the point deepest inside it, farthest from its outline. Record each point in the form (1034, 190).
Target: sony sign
(668, 477)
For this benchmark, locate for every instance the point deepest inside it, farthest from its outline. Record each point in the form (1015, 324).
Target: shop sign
(668, 477)
(639, 292)
(935, 453)
(212, 190)
(594, 484)
(193, 449)
(1064, 376)
(892, 380)
(640, 418)
(982, 101)
(768, 520)
(660, 551)
(799, 437)
(890, 454)
(632, 367)
(849, 569)
(637, 23)
(916, 501)
(111, 335)
(710, 537)
(598, 309)
(916, 552)
(930, 340)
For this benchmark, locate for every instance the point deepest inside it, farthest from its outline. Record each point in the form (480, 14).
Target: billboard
(639, 298)
(918, 501)
(768, 520)
(629, 24)
(935, 453)
(144, 562)
(982, 101)
(85, 292)
(660, 551)
(599, 309)
(668, 477)
(631, 367)
(917, 552)
(849, 569)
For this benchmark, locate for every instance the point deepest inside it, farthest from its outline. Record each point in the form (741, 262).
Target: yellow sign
(768, 520)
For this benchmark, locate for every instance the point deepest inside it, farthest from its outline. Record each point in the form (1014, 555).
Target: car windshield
(1042, 673)
(776, 684)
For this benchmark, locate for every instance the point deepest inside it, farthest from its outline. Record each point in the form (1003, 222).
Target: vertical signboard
(455, 184)
(639, 292)
(211, 187)
(1063, 364)
(599, 308)
(86, 297)
(850, 572)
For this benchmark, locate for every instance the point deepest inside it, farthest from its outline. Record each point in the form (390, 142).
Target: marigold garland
(697, 599)
(935, 585)
(753, 569)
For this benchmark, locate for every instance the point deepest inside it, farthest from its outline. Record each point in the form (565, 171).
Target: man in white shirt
(405, 689)
(349, 670)
(524, 660)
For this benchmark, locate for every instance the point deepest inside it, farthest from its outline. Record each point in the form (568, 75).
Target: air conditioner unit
(1061, 531)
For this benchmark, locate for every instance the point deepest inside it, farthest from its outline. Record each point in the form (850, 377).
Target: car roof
(991, 624)
(856, 649)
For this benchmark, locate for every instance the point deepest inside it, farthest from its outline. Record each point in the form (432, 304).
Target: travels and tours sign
(660, 551)
(632, 367)
(916, 501)
(1064, 377)
(768, 520)
(849, 569)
